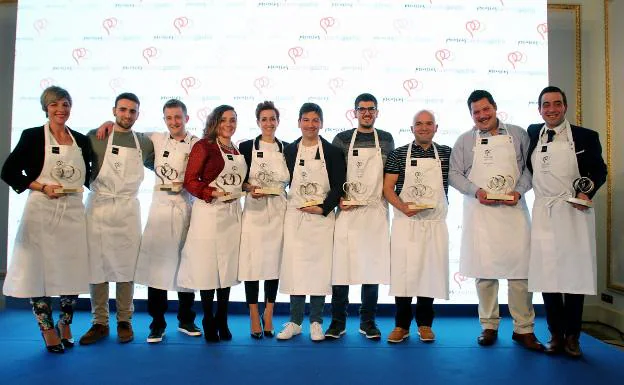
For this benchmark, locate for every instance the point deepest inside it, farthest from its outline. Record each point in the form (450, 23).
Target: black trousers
(157, 307)
(252, 288)
(223, 298)
(564, 313)
(404, 314)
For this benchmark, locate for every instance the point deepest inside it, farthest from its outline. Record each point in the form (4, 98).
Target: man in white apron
(416, 185)
(566, 162)
(167, 225)
(361, 238)
(114, 218)
(488, 167)
(317, 172)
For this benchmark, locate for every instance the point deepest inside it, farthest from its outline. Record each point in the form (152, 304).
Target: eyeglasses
(366, 109)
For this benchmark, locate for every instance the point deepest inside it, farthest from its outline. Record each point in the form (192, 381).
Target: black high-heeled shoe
(67, 342)
(57, 349)
(267, 333)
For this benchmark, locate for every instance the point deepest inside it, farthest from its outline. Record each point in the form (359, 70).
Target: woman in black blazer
(50, 252)
(263, 218)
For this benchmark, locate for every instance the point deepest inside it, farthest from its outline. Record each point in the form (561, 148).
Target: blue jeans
(297, 307)
(340, 301)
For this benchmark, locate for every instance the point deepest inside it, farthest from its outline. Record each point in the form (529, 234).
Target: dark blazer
(25, 162)
(245, 149)
(588, 153)
(336, 170)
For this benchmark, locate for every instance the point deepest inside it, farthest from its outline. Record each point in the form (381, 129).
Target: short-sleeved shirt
(121, 139)
(364, 140)
(396, 162)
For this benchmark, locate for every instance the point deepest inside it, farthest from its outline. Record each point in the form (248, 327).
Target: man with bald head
(416, 185)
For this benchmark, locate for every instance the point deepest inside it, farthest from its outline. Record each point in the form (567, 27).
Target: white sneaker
(316, 332)
(290, 330)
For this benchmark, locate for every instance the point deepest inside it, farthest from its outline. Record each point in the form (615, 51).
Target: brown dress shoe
(487, 337)
(572, 347)
(529, 341)
(94, 334)
(124, 332)
(555, 345)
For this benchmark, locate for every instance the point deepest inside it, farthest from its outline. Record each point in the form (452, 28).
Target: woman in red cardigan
(214, 175)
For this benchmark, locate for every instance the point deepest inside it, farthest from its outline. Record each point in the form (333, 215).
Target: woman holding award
(263, 217)
(209, 261)
(317, 171)
(50, 251)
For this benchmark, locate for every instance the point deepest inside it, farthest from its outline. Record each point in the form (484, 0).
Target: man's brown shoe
(572, 347)
(555, 345)
(528, 340)
(487, 337)
(398, 335)
(124, 332)
(94, 334)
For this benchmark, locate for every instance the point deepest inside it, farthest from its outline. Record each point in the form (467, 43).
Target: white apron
(420, 244)
(308, 238)
(495, 239)
(50, 252)
(262, 231)
(210, 254)
(169, 217)
(361, 238)
(563, 244)
(114, 214)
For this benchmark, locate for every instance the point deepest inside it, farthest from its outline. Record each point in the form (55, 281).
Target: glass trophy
(229, 180)
(500, 187)
(582, 185)
(354, 193)
(168, 179)
(268, 184)
(69, 177)
(419, 194)
(309, 193)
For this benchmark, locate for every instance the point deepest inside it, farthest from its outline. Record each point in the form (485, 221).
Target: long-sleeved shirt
(463, 153)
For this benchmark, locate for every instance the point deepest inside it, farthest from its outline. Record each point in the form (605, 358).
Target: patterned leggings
(42, 308)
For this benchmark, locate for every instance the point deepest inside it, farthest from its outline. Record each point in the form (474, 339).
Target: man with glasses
(361, 238)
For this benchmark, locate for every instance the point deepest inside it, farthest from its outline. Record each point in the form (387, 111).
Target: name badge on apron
(56, 150)
(165, 154)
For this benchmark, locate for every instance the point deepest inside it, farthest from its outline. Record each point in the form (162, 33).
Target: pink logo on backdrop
(327, 22)
(116, 85)
(40, 25)
(294, 53)
(410, 85)
(47, 82)
(503, 116)
(180, 23)
(189, 83)
(79, 54)
(542, 29)
(149, 53)
(516, 57)
(202, 114)
(109, 24)
(459, 278)
(368, 54)
(261, 83)
(400, 25)
(350, 115)
(473, 26)
(442, 55)
(335, 84)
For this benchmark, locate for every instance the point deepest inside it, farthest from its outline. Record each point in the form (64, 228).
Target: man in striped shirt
(416, 185)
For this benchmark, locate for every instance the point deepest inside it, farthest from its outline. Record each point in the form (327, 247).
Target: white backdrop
(410, 54)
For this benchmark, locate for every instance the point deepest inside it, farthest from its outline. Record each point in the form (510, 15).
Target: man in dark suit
(567, 166)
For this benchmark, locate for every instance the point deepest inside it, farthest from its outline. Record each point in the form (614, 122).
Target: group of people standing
(289, 233)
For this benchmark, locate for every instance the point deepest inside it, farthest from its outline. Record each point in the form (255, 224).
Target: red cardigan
(205, 163)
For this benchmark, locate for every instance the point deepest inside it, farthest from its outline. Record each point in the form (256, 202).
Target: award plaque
(230, 179)
(268, 184)
(67, 176)
(354, 192)
(416, 206)
(582, 185)
(173, 187)
(420, 195)
(308, 192)
(269, 190)
(168, 176)
(501, 186)
(230, 196)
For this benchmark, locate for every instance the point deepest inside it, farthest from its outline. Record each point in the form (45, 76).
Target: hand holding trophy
(168, 176)
(308, 193)
(501, 186)
(354, 191)
(67, 176)
(268, 184)
(225, 182)
(585, 186)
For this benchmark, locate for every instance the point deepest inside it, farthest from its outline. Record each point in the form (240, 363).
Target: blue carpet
(453, 358)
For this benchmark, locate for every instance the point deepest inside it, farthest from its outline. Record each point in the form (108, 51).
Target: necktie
(551, 135)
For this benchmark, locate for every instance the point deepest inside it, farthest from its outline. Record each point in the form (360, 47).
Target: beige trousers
(123, 301)
(520, 304)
